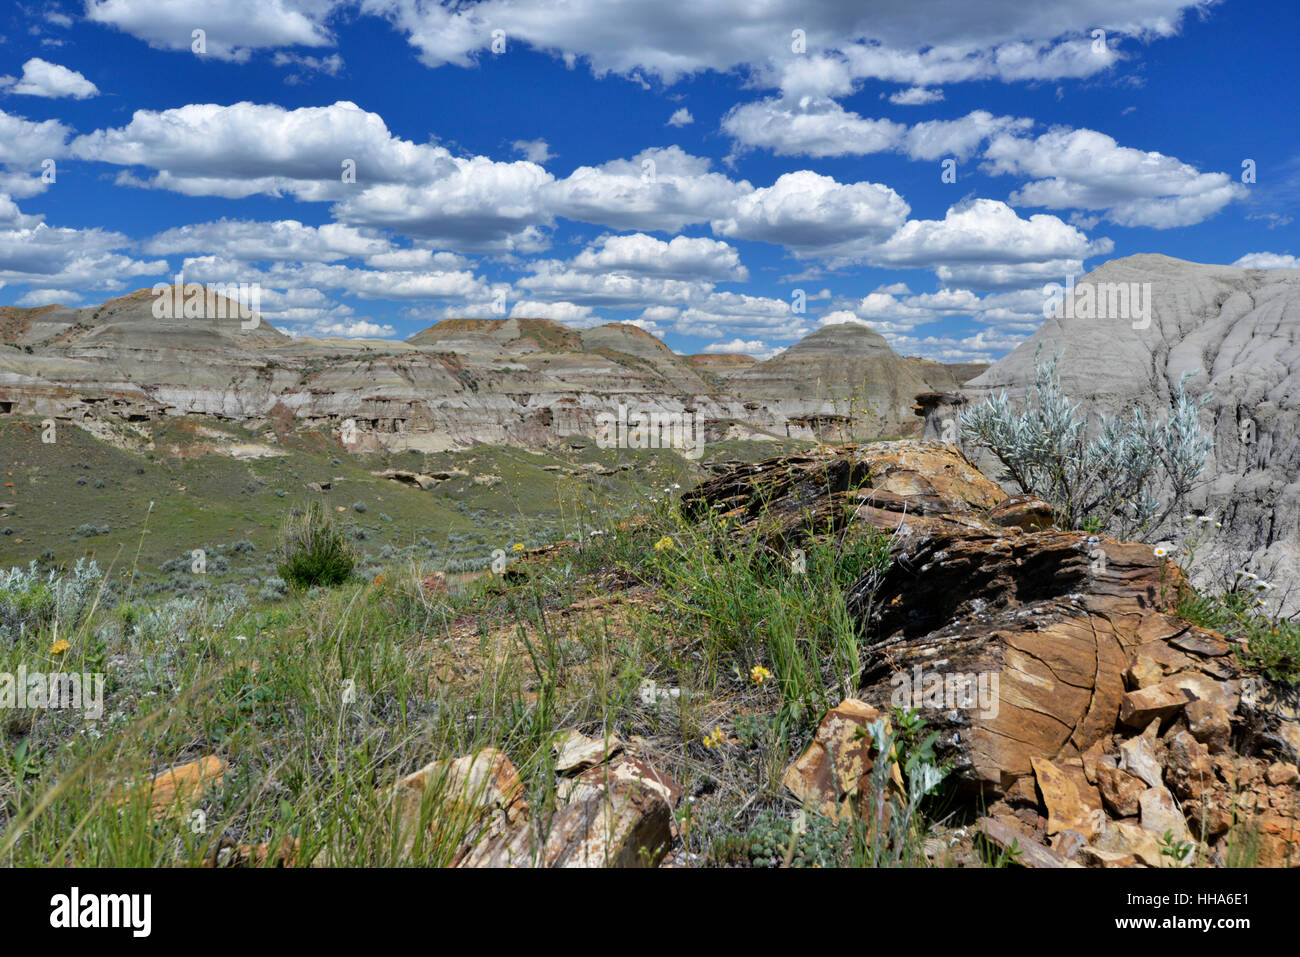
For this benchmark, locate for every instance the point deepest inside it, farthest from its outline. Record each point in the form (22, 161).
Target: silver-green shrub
(29, 601)
(1107, 482)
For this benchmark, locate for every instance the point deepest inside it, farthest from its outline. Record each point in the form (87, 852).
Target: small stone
(1094, 758)
(1138, 757)
(1209, 724)
(838, 762)
(1204, 643)
(1068, 843)
(1122, 838)
(1160, 815)
(1120, 790)
(1188, 767)
(1065, 809)
(1138, 708)
(574, 751)
(1144, 673)
(179, 789)
(1279, 773)
(1195, 684)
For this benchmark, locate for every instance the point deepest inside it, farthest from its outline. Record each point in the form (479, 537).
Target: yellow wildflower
(59, 647)
(715, 740)
(759, 675)
(519, 546)
(663, 544)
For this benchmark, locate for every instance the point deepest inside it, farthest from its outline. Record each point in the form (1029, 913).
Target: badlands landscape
(760, 616)
(612, 434)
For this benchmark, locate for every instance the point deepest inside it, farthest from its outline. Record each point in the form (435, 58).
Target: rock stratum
(1090, 724)
(458, 383)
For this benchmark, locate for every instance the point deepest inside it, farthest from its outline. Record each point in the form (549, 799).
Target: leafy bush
(313, 550)
(1105, 482)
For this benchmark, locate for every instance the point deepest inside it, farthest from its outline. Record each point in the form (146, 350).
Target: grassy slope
(211, 500)
(565, 644)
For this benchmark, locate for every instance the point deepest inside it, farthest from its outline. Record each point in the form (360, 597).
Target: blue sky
(685, 169)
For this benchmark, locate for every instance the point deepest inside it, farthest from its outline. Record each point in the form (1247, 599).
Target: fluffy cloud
(915, 96)
(809, 126)
(566, 312)
(681, 117)
(205, 149)
(925, 42)
(478, 204)
(64, 258)
(232, 28)
(535, 151)
(680, 258)
(958, 138)
(730, 313)
(658, 189)
(820, 127)
(378, 284)
(350, 329)
(48, 297)
(25, 143)
(965, 60)
(1084, 169)
(552, 280)
(1268, 261)
(813, 214)
(983, 231)
(42, 78)
(241, 150)
(891, 311)
(286, 239)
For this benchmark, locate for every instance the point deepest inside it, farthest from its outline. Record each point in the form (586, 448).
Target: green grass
(162, 504)
(1271, 644)
(320, 701)
(313, 550)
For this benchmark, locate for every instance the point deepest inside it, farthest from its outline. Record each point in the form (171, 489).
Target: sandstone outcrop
(1052, 664)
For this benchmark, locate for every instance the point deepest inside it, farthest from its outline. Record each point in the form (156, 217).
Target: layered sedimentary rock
(1070, 700)
(460, 382)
